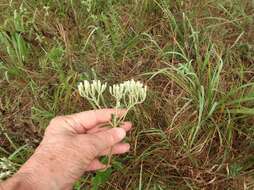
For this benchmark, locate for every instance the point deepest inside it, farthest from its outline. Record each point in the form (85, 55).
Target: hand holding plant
(71, 145)
(125, 95)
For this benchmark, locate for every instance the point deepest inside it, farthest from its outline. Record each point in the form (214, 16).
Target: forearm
(29, 181)
(17, 182)
(45, 170)
(33, 175)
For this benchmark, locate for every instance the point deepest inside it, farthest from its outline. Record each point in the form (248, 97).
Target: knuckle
(54, 123)
(93, 115)
(91, 149)
(63, 120)
(56, 120)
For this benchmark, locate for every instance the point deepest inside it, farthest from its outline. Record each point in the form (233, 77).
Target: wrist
(18, 182)
(43, 172)
(36, 174)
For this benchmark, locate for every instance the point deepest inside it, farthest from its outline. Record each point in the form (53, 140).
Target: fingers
(126, 126)
(95, 165)
(117, 149)
(105, 139)
(120, 148)
(81, 122)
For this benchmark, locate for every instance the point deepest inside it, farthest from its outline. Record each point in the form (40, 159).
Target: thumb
(106, 139)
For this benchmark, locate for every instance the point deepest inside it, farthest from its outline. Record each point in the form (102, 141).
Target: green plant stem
(115, 122)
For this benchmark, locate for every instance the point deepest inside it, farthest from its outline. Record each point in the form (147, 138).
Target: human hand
(71, 146)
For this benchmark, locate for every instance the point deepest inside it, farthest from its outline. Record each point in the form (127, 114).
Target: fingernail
(127, 123)
(127, 146)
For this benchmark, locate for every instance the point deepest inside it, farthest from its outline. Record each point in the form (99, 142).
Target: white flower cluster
(93, 91)
(126, 94)
(7, 168)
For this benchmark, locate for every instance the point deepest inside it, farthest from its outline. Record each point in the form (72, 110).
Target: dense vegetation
(196, 128)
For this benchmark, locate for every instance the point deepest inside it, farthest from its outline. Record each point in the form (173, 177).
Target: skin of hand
(71, 146)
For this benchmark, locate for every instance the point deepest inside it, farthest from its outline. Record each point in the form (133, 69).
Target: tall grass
(196, 129)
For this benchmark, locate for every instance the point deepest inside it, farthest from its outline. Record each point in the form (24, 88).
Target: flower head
(128, 93)
(7, 168)
(92, 91)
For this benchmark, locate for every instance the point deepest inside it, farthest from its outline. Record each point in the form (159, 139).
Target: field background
(196, 129)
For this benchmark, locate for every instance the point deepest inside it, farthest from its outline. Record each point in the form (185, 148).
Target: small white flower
(93, 91)
(7, 168)
(4, 175)
(118, 92)
(128, 93)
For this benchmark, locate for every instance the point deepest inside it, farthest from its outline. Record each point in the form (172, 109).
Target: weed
(126, 95)
(195, 129)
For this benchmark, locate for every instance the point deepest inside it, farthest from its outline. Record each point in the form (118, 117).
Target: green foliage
(195, 129)
(234, 170)
(55, 55)
(15, 46)
(9, 165)
(102, 177)
(201, 89)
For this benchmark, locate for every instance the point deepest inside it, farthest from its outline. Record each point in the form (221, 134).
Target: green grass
(195, 131)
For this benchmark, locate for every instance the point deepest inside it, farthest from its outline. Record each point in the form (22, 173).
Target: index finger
(83, 121)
